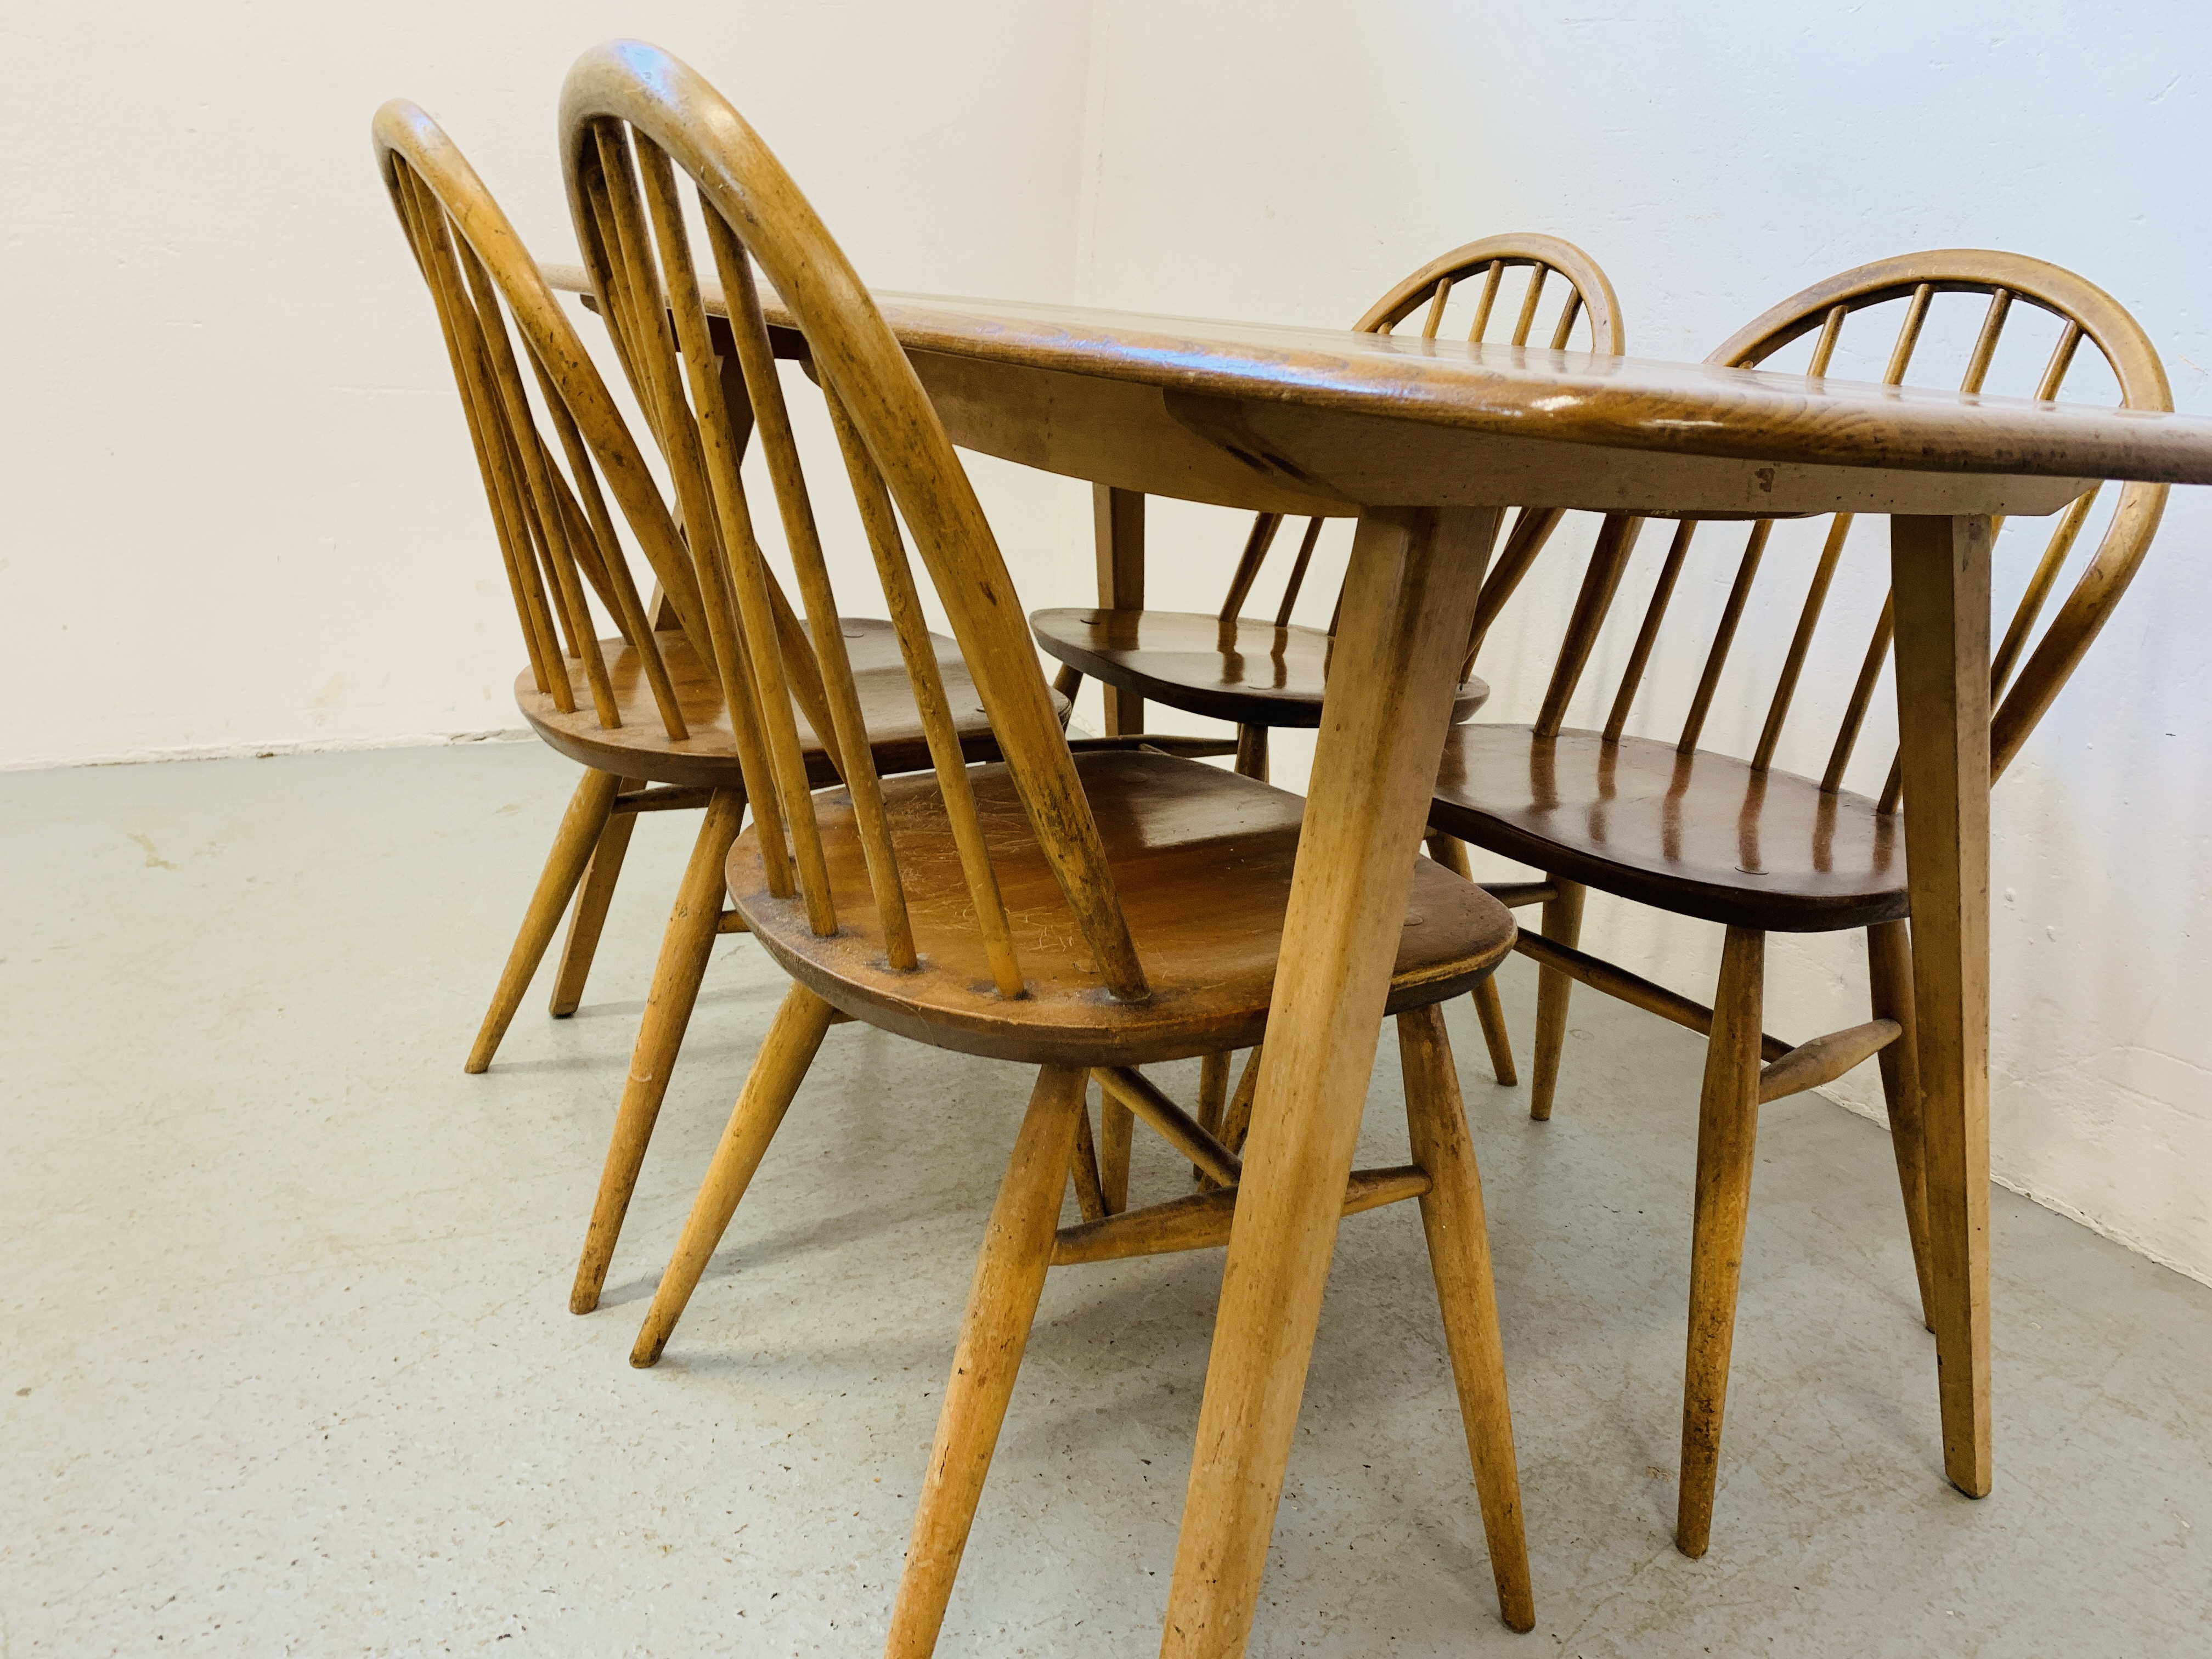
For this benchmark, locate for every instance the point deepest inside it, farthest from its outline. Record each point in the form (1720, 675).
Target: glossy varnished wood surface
(1298, 420)
(708, 758)
(1247, 669)
(1701, 835)
(1202, 859)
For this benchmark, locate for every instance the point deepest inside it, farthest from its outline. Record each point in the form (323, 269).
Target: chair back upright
(1582, 296)
(2021, 690)
(635, 123)
(557, 537)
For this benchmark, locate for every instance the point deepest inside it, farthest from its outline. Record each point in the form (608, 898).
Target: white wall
(242, 514)
(1292, 161)
(241, 510)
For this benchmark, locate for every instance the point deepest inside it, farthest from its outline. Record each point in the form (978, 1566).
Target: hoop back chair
(1262, 675)
(1073, 912)
(1744, 843)
(1266, 674)
(648, 706)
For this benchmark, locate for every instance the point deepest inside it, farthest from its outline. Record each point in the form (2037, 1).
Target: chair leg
(1563, 921)
(1117, 1134)
(1451, 852)
(1213, 1070)
(1252, 751)
(589, 917)
(1001, 1303)
(1459, 1254)
(1492, 1012)
(1727, 1129)
(1237, 1119)
(684, 948)
(1213, 1096)
(786, 1055)
(564, 868)
(1889, 974)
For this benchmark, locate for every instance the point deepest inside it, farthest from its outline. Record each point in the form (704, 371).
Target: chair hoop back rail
(860, 892)
(701, 734)
(1586, 300)
(1699, 833)
(626, 138)
(555, 531)
(2084, 312)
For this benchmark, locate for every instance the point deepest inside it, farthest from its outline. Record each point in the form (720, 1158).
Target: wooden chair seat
(640, 748)
(1698, 832)
(1700, 835)
(1202, 859)
(1256, 673)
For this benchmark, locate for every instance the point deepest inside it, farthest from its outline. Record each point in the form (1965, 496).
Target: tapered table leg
(1408, 604)
(1941, 576)
(1118, 522)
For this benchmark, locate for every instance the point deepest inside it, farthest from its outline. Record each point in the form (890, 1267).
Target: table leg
(1118, 524)
(1940, 573)
(1408, 603)
(1117, 517)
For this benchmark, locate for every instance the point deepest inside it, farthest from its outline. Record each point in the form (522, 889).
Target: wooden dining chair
(1262, 675)
(1084, 914)
(1699, 832)
(646, 712)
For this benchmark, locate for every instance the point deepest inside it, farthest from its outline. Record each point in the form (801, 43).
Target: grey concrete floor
(288, 1369)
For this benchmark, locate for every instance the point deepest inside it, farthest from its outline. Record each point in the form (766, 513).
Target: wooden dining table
(1426, 443)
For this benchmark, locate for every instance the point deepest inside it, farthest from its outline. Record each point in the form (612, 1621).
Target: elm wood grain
(1255, 673)
(1661, 439)
(708, 758)
(1701, 834)
(1142, 907)
(1204, 861)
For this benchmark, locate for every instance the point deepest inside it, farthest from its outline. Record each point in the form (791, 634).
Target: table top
(1328, 420)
